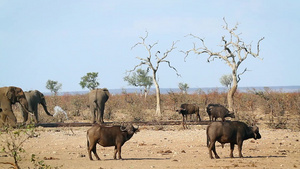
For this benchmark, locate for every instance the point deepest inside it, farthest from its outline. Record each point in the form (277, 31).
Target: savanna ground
(276, 114)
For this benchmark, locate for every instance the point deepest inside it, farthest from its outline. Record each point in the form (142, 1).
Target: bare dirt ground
(170, 147)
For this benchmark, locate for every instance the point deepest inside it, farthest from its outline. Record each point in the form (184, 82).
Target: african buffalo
(186, 109)
(215, 111)
(234, 132)
(108, 136)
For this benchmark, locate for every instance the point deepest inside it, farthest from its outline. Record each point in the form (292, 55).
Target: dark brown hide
(108, 136)
(234, 132)
(215, 111)
(188, 109)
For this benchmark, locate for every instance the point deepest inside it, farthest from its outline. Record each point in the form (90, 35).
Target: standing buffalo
(186, 109)
(234, 132)
(97, 100)
(215, 111)
(108, 136)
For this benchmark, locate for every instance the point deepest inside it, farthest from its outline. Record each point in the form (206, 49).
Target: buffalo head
(129, 129)
(256, 133)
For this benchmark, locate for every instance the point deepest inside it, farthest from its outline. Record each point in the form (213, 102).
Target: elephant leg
(25, 116)
(93, 115)
(9, 117)
(99, 115)
(36, 115)
(3, 119)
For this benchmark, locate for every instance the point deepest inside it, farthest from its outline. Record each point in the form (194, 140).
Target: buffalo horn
(122, 128)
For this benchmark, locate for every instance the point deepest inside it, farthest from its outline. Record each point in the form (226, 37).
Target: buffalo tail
(207, 138)
(87, 140)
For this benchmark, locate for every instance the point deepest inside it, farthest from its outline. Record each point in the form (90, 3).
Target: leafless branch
(147, 61)
(132, 70)
(238, 76)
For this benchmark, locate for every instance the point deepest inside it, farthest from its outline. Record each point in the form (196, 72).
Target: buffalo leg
(90, 153)
(119, 151)
(115, 153)
(95, 153)
(92, 148)
(240, 145)
(183, 121)
(231, 149)
(198, 116)
(212, 147)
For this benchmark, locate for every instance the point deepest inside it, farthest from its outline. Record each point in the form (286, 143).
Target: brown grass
(275, 109)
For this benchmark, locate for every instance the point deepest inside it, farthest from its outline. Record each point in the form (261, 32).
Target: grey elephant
(8, 96)
(34, 98)
(97, 100)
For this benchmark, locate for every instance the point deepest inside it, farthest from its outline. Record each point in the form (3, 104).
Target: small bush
(12, 141)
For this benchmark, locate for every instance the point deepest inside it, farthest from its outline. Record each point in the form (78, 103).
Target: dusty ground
(170, 147)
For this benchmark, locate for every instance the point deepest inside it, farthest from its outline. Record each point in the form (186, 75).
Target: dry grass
(275, 109)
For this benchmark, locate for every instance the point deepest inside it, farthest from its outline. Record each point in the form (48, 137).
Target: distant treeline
(284, 89)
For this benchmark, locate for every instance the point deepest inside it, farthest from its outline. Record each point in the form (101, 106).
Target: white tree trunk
(158, 112)
(232, 90)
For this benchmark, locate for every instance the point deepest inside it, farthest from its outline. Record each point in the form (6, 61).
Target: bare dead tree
(153, 64)
(234, 52)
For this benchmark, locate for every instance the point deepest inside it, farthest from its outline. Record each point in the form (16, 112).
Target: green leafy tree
(90, 81)
(140, 78)
(183, 87)
(53, 86)
(226, 80)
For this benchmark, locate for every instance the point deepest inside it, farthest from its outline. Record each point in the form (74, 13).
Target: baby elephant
(108, 136)
(234, 132)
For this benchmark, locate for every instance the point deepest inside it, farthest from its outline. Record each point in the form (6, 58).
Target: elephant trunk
(46, 110)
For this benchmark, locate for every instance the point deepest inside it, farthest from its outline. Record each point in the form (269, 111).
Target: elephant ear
(41, 95)
(10, 94)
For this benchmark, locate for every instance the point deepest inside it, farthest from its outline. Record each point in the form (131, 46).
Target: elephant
(34, 98)
(97, 99)
(8, 96)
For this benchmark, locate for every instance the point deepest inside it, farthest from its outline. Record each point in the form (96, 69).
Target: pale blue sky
(62, 40)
